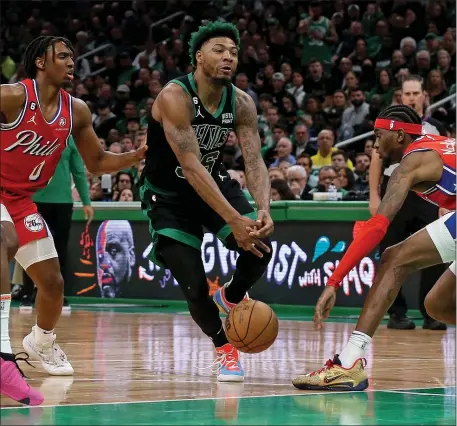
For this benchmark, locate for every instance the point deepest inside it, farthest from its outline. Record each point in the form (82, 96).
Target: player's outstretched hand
(241, 228)
(324, 306)
(265, 225)
(141, 152)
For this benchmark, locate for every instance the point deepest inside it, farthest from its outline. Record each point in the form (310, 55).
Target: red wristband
(367, 239)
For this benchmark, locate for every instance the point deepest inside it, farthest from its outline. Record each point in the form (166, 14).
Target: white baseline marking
(298, 393)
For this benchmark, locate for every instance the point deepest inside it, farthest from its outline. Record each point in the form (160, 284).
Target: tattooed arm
(257, 179)
(173, 108)
(418, 168)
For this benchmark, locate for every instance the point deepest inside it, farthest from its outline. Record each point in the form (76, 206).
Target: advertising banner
(109, 260)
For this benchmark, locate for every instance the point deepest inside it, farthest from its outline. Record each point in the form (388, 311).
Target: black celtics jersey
(162, 167)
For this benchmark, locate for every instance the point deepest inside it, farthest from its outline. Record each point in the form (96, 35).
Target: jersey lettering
(32, 141)
(208, 161)
(36, 172)
(449, 147)
(32, 148)
(210, 136)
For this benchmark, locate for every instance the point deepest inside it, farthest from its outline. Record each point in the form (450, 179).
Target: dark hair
(416, 78)
(38, 47)
(340, 91)
(355, 89)
(266, 97)
(313, 61)
(283, 189)
(379, 88)
(306, 155)
(280, 126)
(350, 177)
(209, 31)
(325, 168)
(340, 152)
(362, 154)
(292, 99)
(401, 113)
(118, 176)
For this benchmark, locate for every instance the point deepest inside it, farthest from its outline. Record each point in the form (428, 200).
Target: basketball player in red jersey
(427, 167)
(38, 116)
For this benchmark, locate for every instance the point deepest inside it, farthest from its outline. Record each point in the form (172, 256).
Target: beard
(221, 81)
(211, 74)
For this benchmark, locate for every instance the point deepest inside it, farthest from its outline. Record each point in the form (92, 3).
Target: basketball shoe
(52, 357)
(13, 384)
(334, 377)
(222, 303)
(229, 367)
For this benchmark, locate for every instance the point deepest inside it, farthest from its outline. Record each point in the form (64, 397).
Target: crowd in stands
(319, 73)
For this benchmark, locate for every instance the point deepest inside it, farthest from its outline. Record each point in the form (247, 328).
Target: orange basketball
(251, 326)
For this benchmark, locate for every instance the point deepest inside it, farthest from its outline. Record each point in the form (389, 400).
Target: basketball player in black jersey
(415, 214)
(185, 187)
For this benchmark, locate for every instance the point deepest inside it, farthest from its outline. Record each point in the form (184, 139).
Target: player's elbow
(95, 164)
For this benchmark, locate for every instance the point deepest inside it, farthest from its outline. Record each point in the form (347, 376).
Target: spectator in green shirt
(55, 204)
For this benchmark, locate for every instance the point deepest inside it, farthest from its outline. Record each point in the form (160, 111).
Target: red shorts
(23, 212)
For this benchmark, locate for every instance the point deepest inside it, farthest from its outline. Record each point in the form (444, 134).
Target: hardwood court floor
(138, 366)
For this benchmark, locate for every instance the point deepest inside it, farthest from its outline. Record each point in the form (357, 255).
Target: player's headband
(409, 128)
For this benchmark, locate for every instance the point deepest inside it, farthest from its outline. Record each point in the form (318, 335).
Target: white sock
(5, 344)
(43, 336)
(356, 347)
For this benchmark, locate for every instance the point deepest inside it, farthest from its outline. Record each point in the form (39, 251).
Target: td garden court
(140, 365)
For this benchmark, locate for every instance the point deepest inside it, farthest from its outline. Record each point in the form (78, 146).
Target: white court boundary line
(297, 393)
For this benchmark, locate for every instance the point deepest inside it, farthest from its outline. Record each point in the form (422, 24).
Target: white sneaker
(50, 354)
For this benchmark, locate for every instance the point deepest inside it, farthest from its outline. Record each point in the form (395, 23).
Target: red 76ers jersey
(444, 191)
(31, 147)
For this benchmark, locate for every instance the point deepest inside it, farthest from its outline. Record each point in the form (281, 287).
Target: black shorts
(184, 217)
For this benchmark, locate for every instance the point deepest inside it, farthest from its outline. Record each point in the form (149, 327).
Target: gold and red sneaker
(334, 377)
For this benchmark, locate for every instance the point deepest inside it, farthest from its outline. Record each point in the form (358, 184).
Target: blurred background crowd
(319, 73)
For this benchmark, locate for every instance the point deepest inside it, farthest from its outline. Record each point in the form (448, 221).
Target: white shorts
(35, 251)
(442, 232)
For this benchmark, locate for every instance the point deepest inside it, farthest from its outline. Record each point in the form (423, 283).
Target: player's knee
(439, 309)
(431, 307)
(51, 283)
(394, 256)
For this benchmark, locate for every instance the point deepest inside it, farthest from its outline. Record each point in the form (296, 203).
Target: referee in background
(55, 204)
(415, 213)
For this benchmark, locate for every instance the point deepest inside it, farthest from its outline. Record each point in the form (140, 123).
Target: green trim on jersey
(182, 237)
(174, 234)
(225, 231)
(234, 102)
(180, 83)
(157, 190)
(221, 103)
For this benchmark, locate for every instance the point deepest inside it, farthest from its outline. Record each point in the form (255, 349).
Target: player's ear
(400, 137)
(39, 62)
(198, 57)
